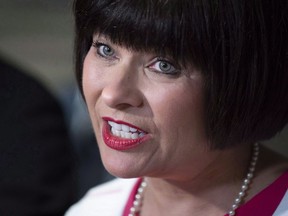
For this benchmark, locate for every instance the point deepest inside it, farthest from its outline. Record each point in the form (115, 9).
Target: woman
(180, 93)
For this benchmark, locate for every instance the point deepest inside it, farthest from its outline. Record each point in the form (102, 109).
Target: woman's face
(147, 111)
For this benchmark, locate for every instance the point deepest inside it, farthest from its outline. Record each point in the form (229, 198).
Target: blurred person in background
(36, 160)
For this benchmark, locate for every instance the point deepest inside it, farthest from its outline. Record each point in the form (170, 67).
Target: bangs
(145, 25)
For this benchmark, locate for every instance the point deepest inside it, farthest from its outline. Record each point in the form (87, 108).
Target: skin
(131, 86)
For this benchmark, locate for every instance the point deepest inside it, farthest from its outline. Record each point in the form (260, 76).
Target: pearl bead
(237, 201)
(241, 194)
(244, 187)
(231, 213)
(249, 175)
(136, 203)
(246, 181)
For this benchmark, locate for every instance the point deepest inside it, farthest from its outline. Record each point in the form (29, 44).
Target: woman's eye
(165, 67)
(103, 50)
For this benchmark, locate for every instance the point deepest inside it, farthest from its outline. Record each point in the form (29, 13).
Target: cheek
(178, 112)
(91, 80)
(91, 87)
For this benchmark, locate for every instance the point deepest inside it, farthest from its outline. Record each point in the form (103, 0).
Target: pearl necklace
(136, 208)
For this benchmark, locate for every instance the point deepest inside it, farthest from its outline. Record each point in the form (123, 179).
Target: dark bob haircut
(240, 46)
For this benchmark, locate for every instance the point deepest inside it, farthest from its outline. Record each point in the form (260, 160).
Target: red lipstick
(118, 143)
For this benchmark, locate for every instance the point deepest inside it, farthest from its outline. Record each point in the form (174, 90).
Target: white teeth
(133, 129)
(135, 136)
(115, 132)
(122, 134)
(124, 131)
(125, 128)
(141, 134)
(117, 126)
(127, 135)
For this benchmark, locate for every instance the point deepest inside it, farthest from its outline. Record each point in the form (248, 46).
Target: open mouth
(121, 136)
(125, 131)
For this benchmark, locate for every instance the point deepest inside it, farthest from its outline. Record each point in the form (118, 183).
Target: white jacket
(108, 199)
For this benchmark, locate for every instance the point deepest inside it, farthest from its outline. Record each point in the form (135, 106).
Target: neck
(200, 191)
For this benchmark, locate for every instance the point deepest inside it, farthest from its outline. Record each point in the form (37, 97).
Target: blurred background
(37, 35)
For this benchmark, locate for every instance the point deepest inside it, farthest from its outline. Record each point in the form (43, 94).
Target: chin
(123, 167)
(122, 172)
(123, 164)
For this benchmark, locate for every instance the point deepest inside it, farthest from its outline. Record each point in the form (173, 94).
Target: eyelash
(172, 72)
(98, 45)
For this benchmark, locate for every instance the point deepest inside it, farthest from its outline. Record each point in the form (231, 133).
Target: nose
(122, 89)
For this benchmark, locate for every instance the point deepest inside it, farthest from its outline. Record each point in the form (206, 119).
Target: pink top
(131, 198)
(273, 200)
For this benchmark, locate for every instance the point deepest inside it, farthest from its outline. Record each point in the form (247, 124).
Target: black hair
(239, 46)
